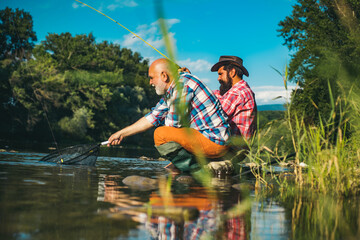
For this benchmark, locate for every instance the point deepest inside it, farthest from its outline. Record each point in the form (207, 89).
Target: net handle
(104, 143)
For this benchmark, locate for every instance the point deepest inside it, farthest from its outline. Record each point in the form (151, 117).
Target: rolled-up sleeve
(158, 113)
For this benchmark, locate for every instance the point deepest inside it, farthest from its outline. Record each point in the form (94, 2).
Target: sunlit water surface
(47, 201)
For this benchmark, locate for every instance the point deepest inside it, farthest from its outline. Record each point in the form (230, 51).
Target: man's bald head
(163, 65)
(160, 74)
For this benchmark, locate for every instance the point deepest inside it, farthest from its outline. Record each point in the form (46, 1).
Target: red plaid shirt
(240, 106)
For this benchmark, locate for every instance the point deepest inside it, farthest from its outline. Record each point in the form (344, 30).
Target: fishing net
(84, 154)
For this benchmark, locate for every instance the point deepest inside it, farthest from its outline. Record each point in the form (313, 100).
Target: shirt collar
(170, 90)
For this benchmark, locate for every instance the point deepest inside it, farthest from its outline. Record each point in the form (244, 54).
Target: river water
(47, 201)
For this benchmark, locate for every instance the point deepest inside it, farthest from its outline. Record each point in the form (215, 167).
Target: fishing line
(124, 28)
(47, 119)
(38, 98)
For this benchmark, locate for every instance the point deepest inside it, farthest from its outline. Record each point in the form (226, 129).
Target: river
(48, 201)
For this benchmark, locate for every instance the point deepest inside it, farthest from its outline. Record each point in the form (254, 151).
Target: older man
(200, 129)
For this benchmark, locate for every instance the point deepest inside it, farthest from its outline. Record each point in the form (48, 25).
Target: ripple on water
(34, 181)
(66, 174)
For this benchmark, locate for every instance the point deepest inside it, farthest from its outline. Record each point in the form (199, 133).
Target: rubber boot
(182, 159)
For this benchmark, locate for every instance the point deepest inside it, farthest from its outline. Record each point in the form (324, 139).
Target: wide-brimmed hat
(224, 60)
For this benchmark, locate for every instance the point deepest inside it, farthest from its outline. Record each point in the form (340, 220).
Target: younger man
(235, 95)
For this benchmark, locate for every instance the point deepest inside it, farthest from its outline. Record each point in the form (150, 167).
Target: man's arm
(140, 126)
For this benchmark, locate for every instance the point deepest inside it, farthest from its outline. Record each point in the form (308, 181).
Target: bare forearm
(140, 126)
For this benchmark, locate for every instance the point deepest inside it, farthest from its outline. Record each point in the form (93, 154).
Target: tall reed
(327, 156)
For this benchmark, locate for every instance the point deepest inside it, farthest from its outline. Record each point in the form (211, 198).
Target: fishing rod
(123, 27)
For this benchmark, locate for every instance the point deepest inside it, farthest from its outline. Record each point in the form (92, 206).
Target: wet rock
(287, 164)
(145, 158)
(140, 183)
(220, 168)
(152, 159)
(251, 165)
(11, 151)
(185, 179)
(303, 165)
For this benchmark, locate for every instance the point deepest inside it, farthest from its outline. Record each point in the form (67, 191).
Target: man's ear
(164, 76)
(232, 73)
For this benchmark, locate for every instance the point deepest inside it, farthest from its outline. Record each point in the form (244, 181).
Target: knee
(159, 136)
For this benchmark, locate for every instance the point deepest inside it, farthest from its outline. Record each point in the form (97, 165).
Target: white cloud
(267, 94)
(171, 22)
(199, 65)
(152, 35)
(112, 7)
(121, 4)
(75, 5)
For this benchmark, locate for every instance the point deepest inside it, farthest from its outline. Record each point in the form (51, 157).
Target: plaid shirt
(204, 111)
(240, 106)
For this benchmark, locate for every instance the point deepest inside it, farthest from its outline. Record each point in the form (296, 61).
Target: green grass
(329, 149)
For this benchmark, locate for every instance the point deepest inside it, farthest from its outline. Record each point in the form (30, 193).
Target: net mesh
(75, 155)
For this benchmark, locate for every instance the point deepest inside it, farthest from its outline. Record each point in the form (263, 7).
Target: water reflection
(48, 201)
(195, 214)
(268, 220)
(315, 216)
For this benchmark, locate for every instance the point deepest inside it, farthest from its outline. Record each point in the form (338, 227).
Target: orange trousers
(190, 139)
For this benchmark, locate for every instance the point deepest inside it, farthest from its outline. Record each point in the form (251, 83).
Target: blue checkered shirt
(203, 112)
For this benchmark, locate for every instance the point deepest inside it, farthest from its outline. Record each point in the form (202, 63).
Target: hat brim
(222, 63)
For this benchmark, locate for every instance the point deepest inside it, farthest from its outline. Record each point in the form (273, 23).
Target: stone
(141, 183)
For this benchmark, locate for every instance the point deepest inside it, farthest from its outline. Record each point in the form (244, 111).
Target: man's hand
(184, 69)
(140, 126)
(116, 138)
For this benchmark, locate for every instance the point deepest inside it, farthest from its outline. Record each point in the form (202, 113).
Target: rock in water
(140, 183)
(185, 179)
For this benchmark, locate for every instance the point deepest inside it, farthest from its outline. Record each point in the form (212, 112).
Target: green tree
(268, 116)
(71, 53)
(16, 42)
(87, 90)
(324, 36)
(37, 87)
(77, 125)
(16, 34)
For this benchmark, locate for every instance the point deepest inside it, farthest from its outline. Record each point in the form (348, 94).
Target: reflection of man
(235, 95)
(168, 211)
(208, 129)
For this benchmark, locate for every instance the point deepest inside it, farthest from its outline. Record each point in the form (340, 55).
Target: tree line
(68, 86)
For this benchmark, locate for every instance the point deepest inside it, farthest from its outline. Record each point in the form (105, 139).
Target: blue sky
(201, 30)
